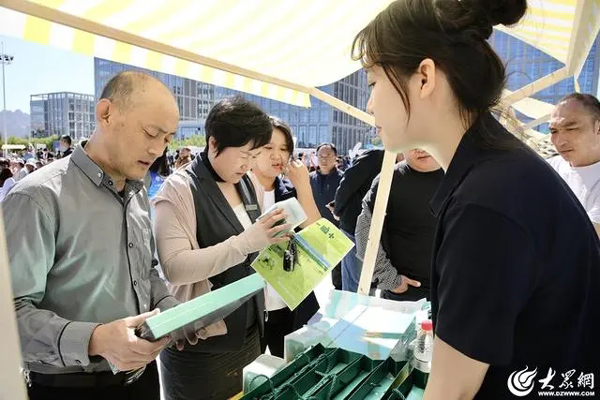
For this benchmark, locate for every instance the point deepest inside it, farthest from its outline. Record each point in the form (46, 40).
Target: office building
(314, 125)
(322, 122)
(62, 113)
(194, 98)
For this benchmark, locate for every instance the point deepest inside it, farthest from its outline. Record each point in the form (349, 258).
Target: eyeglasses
(290, 256)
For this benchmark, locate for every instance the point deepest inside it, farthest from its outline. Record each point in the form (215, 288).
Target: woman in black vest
(274, 160)
(207, 237)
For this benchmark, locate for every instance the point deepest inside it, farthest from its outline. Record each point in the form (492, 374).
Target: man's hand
(406, 282)
(117, 343)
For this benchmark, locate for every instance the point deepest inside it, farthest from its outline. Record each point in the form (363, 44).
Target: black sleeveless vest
(216, 222)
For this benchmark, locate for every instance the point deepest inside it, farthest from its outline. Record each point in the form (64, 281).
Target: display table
(355, 347)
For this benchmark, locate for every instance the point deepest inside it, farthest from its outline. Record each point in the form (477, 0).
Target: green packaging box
(203, 310)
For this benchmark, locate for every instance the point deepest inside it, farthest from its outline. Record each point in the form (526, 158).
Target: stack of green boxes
(322, 373)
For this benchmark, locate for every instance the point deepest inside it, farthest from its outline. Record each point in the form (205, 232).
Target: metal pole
(4, 97)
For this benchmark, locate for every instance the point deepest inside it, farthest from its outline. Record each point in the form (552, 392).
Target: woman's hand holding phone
(263, 232)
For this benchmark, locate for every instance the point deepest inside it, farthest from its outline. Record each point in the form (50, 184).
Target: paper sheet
(321, 246)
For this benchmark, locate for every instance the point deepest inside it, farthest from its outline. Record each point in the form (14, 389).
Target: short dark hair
(67, 139)
(454, 35)
(588, 101)
(235, 122)
(328, 145)
(278, 123)
(4, 175)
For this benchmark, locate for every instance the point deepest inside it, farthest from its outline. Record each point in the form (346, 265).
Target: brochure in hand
(317, 249)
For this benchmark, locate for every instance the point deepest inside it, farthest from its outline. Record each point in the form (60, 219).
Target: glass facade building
(62, 113)
(314, 125)
(194, 98)
(322, 122)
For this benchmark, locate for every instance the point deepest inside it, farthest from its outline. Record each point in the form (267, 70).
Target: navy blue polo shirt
(516, 265)
(324, 188)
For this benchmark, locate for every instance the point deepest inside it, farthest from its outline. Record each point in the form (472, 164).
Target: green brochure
(320, 247)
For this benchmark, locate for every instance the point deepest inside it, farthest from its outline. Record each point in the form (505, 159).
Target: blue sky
(43, 69)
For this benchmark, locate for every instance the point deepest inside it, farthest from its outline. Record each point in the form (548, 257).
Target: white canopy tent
(278, 49)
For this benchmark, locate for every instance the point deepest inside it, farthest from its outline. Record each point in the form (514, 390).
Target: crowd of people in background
(18, 164)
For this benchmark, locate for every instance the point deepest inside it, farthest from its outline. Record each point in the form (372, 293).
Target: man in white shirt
(575, 129)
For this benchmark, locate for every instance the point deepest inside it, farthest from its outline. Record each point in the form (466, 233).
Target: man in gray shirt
(81, 252)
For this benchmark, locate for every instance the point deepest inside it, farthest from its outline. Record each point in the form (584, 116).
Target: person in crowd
(30, 153)
(6, 182)
(19, 170)
(207, 234)
(403, 264)
(516, 261)
(171, 159)
(313, 160)
(273, 161)
(159, 171)
(575, 130)
(31, 165)
(84, 279)
(184, 158)
(65, 148)
(38, 165)
(347, 207)
(324, 183)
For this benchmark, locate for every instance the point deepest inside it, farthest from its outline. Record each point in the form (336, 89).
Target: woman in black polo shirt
(516, 271)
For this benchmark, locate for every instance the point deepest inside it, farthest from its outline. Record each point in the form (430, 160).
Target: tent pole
(12, 385)
(379, 211)
(535, 87)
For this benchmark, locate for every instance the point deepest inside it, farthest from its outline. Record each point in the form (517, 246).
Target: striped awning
(564, 29)
(277, 49)
(304, 43)
(548, 26)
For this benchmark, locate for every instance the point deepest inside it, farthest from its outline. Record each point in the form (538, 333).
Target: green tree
(17, 140)
(196, 140)
(376, 141)
(48, 141)
(25, 142)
